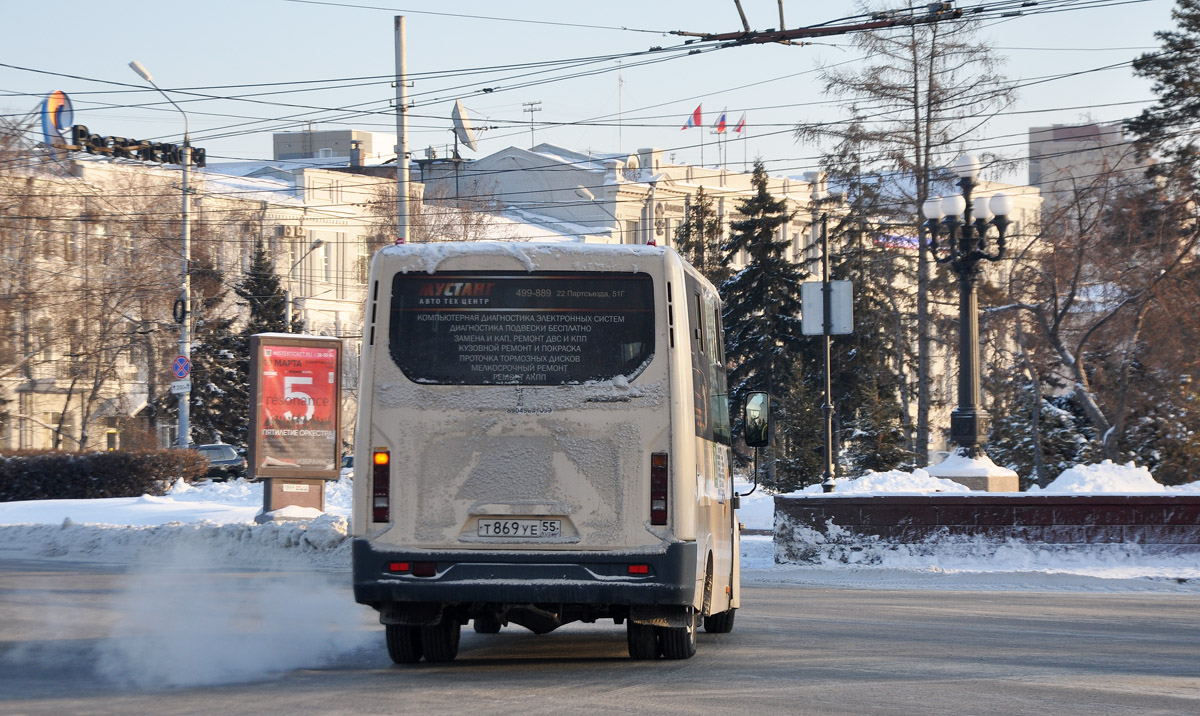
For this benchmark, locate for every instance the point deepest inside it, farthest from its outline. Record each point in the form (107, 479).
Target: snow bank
(942, 554)
(219, 503)
(891, 482)
(213, 518)
(971, 565)
(1107, 477)
(319, 544)
(758, 508)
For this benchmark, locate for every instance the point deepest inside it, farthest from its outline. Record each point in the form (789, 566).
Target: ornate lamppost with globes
(958, 237)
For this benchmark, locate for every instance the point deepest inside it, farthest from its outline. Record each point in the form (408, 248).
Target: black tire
(643, 640)
(720, 623)
(679, 642)
(487, 624)
(403, 643)
(440, 641)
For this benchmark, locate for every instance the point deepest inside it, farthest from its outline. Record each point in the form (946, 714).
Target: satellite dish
(462, 126)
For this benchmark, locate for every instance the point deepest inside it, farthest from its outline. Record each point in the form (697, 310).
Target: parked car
(223, 461)
(348, 467)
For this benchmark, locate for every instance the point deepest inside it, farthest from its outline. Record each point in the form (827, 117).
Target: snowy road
(91, 639)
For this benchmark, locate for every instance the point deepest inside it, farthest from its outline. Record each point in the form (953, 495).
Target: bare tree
(84, 285)
(911, 107)
(28, 282)
(440, 217)
(1118, 259)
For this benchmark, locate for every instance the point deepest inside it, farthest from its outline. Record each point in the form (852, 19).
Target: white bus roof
(428, 257)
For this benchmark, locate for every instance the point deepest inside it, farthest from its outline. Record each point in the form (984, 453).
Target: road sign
(181, 367)
(812, 309)
(181, 386)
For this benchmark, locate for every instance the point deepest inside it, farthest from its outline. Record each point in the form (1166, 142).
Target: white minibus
(543, 437)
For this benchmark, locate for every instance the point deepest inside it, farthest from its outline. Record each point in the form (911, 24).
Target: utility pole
(531, 107)
(401, 136)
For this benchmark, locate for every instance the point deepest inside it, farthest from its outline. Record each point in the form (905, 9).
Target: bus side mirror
(757, 419)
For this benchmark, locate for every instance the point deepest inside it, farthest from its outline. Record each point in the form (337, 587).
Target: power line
(489, 18)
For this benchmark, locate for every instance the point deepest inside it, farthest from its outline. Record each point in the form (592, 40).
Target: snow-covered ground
(214, 524)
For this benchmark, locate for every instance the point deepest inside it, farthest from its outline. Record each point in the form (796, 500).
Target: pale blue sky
(222, 42)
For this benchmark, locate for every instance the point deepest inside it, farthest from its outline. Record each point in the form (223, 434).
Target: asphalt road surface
(86, 640)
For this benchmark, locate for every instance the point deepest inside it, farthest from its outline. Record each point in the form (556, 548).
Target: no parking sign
(181, 367)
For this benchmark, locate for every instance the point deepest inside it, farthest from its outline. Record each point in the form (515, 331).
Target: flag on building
(720, 123)
(896, 241)
(741, 125)
(694, 120)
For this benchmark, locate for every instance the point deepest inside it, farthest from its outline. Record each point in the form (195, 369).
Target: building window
(292, 255)
(8, 349)
(51, 422)
(74, 337)
(630, 232)
(71, 243)
(339, 269)
(362, 264)
(48, 247)
(45, 334)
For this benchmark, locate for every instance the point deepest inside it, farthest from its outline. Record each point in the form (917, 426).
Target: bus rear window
(492, 328)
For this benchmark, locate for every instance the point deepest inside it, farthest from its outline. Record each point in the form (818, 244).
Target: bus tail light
(381, 486)
(658, 488)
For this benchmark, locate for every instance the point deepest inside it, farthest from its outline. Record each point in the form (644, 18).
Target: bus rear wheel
(440, 641)
(487, 624)
(720, 623)
(403, 643)
(679, 642)
(643, 640)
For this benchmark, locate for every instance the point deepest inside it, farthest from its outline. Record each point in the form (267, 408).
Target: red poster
(298, 407)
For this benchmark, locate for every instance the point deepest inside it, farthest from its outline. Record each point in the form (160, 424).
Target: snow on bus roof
(429, 257)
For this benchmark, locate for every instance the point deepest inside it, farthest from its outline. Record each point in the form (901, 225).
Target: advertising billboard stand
(296, 408)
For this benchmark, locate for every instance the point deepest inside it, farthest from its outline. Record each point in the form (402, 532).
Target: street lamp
(965, 248)
(317, 242)
(183, 313)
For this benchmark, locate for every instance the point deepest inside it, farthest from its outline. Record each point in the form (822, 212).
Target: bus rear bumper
(610, 578)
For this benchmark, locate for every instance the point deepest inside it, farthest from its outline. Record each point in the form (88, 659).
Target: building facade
(106, 232)
(636, 198)
(1069, 160)
(641, 198)
(87, 321)
(368, 147)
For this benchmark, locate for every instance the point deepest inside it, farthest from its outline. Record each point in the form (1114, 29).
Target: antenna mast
(620, 86)
(531, 107)
(401, 136)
